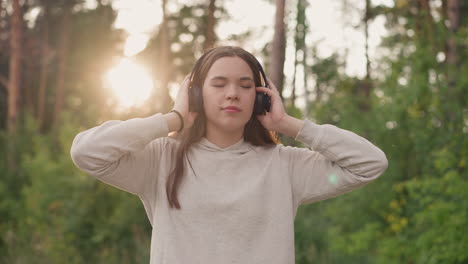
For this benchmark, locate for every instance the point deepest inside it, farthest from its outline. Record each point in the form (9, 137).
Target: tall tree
(453, 14)
(165, 61)
(278, 48)
(210, 36)
(44, 64)
(16, 51)
(365, 86)
(64, 43)
(16, 35)
(300, 48)
(4, 47)
(367, 16)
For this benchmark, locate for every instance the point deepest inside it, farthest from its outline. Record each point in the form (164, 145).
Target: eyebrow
(247, 78)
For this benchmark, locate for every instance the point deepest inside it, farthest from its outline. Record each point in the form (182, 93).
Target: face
(228, 94)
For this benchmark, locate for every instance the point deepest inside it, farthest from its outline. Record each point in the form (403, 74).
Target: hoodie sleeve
(123, 154)
(340, 161)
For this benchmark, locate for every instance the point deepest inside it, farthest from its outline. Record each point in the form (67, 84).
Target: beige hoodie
(238, 203)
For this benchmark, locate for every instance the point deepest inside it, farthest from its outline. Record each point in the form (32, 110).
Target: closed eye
(222, 85)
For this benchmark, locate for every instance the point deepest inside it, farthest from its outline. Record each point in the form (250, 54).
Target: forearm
(124, 154)
(173, 121)
(345, 148)
(290, 126)
(112, 139)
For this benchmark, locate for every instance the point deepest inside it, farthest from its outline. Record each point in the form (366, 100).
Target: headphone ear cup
(259, 104)
(262, 103)
(267, 102)
(195, 100)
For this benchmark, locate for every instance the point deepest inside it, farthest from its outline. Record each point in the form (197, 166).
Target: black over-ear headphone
(262, 100)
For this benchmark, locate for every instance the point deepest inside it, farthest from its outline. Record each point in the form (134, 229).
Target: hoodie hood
(240, 147)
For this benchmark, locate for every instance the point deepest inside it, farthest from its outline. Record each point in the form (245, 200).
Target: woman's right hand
(181, 103)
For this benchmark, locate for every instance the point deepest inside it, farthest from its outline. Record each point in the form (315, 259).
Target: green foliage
(417, 211)
(63, 215)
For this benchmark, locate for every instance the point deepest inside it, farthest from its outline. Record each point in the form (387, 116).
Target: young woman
(223, 190)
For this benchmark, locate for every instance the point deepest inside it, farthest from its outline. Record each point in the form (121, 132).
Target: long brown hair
(254, 132)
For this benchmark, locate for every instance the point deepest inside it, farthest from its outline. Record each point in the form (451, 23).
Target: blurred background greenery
(394, 72)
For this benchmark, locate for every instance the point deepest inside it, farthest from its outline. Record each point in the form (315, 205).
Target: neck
(222, 138)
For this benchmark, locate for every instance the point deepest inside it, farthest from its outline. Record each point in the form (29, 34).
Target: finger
(263, 89)
(268, 91)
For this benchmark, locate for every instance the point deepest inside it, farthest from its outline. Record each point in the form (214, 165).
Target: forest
(411, 101)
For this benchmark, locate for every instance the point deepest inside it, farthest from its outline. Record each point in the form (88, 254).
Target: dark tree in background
(278, 47)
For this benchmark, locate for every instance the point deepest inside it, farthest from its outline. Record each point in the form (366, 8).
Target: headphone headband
(262, 73)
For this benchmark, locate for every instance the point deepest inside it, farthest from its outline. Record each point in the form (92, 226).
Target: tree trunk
(62, 63)
(16, 35)
(366, 32)
(453, 14)
(426, 22)
(27, 90)
(318, 83)
(43, 76)
(305, 67)
(15, 65)
(306, 84)
(301, 48)
(210, 37)
(365, 86)
(278, 48)
(293, 92)
(3, 78)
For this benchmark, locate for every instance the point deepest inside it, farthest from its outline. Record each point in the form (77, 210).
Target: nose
(232, 92)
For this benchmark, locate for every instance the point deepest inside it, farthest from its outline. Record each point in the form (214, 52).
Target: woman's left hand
(272, 120)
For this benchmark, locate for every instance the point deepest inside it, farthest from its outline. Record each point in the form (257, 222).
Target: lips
(231, 109)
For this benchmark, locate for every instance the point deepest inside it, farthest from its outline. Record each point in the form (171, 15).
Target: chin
(230, 127)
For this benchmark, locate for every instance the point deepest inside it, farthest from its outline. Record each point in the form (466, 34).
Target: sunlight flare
(130, 83)
(135, 43)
